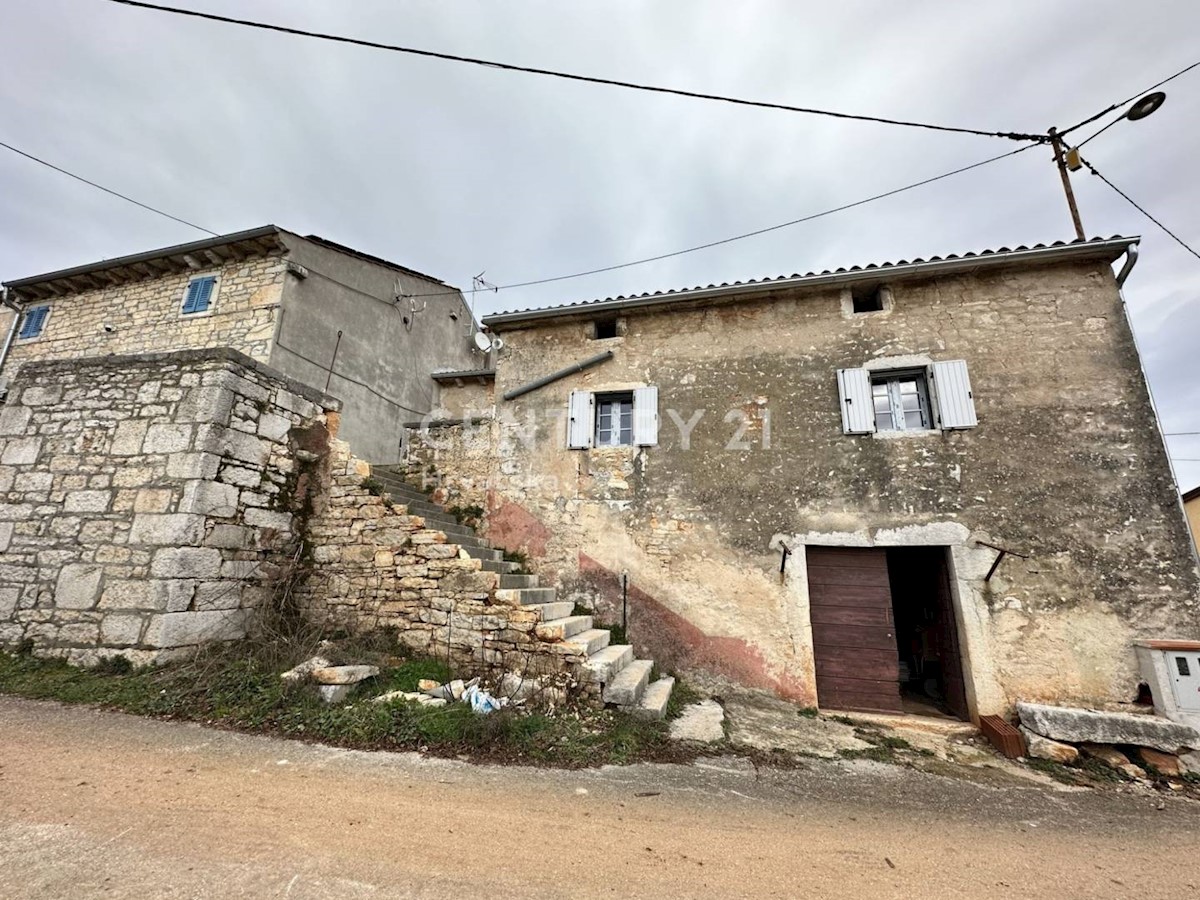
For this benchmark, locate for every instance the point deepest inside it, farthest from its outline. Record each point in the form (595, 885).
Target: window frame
(24, 314)
(212, 299)
(626, 399)
(893, 378)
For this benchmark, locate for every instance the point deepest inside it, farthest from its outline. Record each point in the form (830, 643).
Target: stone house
(1191, 506)
(936, 484)
(364, 329)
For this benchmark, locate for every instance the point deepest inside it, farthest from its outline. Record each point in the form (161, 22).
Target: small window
(867, 297)
(199, 295)
(604, 329)
(901, 401)
(35, 322)
(614, 420)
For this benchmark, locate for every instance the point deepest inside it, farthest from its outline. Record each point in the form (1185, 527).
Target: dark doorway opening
(930, 661)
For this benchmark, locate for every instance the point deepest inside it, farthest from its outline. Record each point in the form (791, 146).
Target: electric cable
(107, 190)
(1180, 241)
(571, 76)
(1126, 102)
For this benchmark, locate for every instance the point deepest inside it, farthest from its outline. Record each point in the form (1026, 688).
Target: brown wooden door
(854, 638)
(949, 648)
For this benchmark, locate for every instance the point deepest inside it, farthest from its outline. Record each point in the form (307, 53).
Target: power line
(108, 190)
(1116, 106)
(748, 234)
(1140, 208)
(570, 76)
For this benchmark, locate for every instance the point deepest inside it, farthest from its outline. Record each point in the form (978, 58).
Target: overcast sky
(454, 169)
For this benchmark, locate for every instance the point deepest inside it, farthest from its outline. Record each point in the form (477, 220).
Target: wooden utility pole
(1056, 142)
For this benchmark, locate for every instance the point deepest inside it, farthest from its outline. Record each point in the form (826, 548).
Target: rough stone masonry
(146, 498)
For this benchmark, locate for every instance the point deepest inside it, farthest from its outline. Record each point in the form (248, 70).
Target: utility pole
(1057, 144)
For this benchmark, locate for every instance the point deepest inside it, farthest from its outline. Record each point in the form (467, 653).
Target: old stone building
(364, 329)
(936, 483)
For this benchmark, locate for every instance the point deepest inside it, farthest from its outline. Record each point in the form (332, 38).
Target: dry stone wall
(147, 499)
(375, 566)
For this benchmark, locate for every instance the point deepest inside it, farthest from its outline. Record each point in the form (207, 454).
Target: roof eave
(180, 257)
(1107, 250)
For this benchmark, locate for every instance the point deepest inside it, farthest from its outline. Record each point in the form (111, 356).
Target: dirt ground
(96, 804)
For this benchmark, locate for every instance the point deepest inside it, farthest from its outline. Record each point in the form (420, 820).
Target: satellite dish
(482, 342)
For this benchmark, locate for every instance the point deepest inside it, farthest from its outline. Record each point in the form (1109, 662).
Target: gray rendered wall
(382, 368)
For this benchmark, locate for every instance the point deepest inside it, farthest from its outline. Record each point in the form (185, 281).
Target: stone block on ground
(702, 722)
(305, 669)
(1040, 747)
(1113, 758)
(1190, 762)
(1163, 763)
(1078, 726)
(334, 693)
(343, 674)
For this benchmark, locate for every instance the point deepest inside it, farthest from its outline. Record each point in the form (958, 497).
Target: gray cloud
(454, 169)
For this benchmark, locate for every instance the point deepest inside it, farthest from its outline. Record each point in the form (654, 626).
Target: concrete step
(628, 685)
(526, 596)
(550, 611)
(561, 629)
(503, 566)
(591, 641)
(604, 664)
(483, 552)
(653, 704)
(515, 582)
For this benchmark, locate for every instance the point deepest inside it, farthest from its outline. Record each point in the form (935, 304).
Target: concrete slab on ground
(765, 722)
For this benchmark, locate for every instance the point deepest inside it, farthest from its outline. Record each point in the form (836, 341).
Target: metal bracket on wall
(1001, 553)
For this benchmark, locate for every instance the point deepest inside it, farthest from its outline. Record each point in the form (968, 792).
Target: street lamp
(1069, 160)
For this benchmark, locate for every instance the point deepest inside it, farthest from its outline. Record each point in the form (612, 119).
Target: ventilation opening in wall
(867, 297)
(604, 328)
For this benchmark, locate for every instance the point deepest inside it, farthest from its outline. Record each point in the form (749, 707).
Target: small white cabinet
(1172, 670)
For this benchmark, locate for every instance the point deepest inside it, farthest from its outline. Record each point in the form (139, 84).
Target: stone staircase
(625, 681)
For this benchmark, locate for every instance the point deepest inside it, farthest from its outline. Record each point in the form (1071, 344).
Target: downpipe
(12, 333)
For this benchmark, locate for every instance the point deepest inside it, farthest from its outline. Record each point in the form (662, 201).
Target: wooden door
(854, 638)
(953, 683)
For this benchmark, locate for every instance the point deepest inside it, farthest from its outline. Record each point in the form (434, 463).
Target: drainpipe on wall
(12, 333)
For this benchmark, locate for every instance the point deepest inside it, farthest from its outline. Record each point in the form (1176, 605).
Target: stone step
(653, 704)
(484, 552)
(515, 582)
(561, 629)
(526, 596)
(627, 686)
(604, 664)
(503, 566)
(591, 641)
(550, 611)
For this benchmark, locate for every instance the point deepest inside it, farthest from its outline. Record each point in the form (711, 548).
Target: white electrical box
(1184, 669)
(1171, 669)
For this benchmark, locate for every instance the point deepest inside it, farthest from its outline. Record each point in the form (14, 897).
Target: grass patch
(807, 712)
(875, 752)
(236, 688)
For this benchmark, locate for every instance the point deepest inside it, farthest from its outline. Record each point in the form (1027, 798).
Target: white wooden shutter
(952, 388)
(858, 409)
(645, 417)
(579, 420)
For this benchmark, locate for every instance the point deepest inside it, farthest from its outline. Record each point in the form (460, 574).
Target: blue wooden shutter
(858, 408)
(199, 293)
(952, 388)
(35, 318)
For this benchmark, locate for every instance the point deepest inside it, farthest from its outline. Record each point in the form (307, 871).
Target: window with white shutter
(645, 417)
(952, 390)
(858, 410)
(579, 420)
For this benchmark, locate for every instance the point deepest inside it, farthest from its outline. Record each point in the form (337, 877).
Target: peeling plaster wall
(1065, 466)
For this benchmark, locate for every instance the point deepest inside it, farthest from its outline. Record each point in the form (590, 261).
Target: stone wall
(144, 316)
(147, 499)
(1065, 467)
(375, 566)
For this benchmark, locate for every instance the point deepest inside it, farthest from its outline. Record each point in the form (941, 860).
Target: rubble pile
(1138, 746)
(334, 684)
